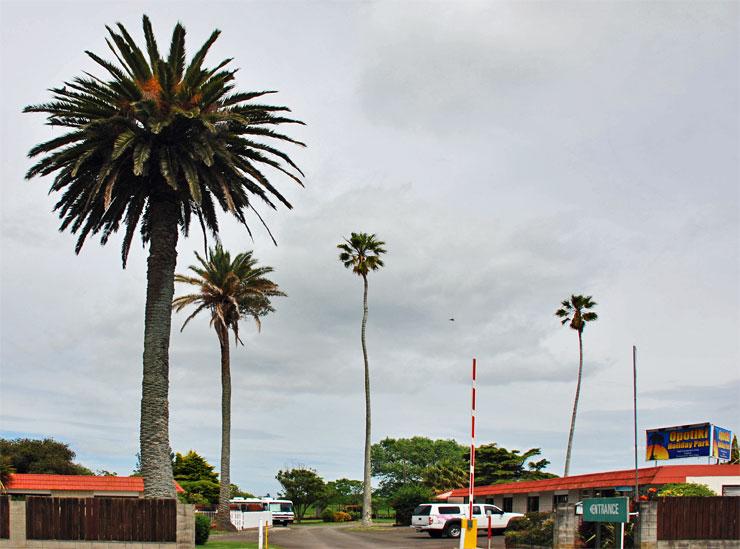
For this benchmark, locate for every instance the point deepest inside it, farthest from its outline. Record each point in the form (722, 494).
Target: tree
(445, 475)
(155, 145)
(401, 462)
(577, 313)
(47, 456)
(197, 477)
(237, 492)
(6, 469)
(228, 289)
(341, 492)
(406, 499)
(303, 487)
(494, 464)
(680, 489)
(361, 253)
(735, 451)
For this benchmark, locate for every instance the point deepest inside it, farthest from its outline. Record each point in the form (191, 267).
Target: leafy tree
(105, 473)
(342, 492)
(303, 487)
(400, 462)
(577, 312)
(735, 452)
(406, 499)
(46, 456)
(236, 492)
(152, 146)
(494, 464)
(6, 469)
(445, 475)
(361, 253)
(229, 290)
(678, 489)
(197, 477)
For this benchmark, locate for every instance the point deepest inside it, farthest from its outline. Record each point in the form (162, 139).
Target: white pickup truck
(445, 519)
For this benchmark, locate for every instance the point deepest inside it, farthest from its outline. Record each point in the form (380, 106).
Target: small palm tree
(361, 253)
(154, 144)
(230, 290)
(576, 311)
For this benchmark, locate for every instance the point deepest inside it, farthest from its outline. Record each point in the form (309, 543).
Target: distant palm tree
(152, 146)
(230, 290)
(576, 311)
(361, 253)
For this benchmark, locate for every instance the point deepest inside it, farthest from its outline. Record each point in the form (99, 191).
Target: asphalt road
(352, 537)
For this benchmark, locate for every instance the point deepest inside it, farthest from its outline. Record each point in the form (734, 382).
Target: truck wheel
(452, 530)
(435, 533)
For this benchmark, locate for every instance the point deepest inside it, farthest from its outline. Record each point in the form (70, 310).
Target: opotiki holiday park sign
(679, 442)
(606, 510)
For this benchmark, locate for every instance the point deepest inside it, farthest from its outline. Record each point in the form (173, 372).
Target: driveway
(353, 537)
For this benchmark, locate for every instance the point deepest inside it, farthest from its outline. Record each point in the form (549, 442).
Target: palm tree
(229, 290)
(155, 144)
(361, 253)
(576, 311)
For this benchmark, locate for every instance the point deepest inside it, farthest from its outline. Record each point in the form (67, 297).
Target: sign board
(606, 509)
(678, 442)
(721, 443)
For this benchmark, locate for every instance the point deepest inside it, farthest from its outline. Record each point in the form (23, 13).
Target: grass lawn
(233, 545)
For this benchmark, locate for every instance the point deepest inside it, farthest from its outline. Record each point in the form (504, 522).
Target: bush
(327, 515)
(609, 534)
(531, 529)
(685, 489)
(202, 528)
(405, 500)
(341, 516)
(355, 515)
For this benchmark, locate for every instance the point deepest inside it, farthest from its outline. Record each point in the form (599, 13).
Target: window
(559, 499)
(493, 509)
(533, 504)
(422, 510)
(508, 505)
(730, 490)
(476, 509)
(449, 510)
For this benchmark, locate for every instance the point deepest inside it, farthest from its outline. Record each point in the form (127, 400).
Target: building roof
(19, 482)
(610, 479)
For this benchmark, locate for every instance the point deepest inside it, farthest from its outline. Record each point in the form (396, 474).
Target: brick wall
(17, 540)
(566, 524)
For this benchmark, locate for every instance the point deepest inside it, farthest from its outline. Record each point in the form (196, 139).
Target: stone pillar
(17, 524)
(646, 532)
(565, 529)
(185, 526)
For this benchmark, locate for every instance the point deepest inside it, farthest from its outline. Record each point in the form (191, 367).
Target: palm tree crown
(155, 128)
(576, 312)
(361, 253)
(228, 289)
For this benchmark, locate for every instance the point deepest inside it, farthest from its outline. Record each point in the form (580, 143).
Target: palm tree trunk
(367, 501)
(156, 462)
(223, 515)
(575, 403)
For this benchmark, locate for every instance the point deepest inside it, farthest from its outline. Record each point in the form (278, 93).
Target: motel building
(545, 495)
(76, 486)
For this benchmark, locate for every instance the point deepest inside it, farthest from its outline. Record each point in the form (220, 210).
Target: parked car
(445, 519)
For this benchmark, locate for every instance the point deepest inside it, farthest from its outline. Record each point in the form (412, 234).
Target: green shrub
(202, 528)
(355, 515)
(677, 489)
(406, 499)
(531, 529)
(327, 515)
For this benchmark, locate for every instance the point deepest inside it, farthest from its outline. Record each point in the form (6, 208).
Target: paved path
(351, 537)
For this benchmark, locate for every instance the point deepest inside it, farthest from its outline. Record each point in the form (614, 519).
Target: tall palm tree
(577, 312)
(157, 143)
(229, 290)
(361, 253)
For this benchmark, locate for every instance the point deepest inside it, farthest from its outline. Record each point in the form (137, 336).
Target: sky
(510, 154)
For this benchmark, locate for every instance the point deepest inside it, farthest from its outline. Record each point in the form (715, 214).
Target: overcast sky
(509, 154)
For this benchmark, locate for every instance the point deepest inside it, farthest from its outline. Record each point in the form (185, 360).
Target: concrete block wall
(565, 535)
(17, 540)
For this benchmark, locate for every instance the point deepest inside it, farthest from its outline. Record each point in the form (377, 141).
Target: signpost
(607, 510)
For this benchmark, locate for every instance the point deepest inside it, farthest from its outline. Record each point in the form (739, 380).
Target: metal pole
(634, 406)
(472, 450)
(621, 535)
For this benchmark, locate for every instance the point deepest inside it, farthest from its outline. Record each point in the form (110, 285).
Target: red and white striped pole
(472, 450)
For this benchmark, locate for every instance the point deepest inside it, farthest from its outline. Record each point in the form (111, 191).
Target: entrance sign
(606, 509)
(721, 443)
(678, 442)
